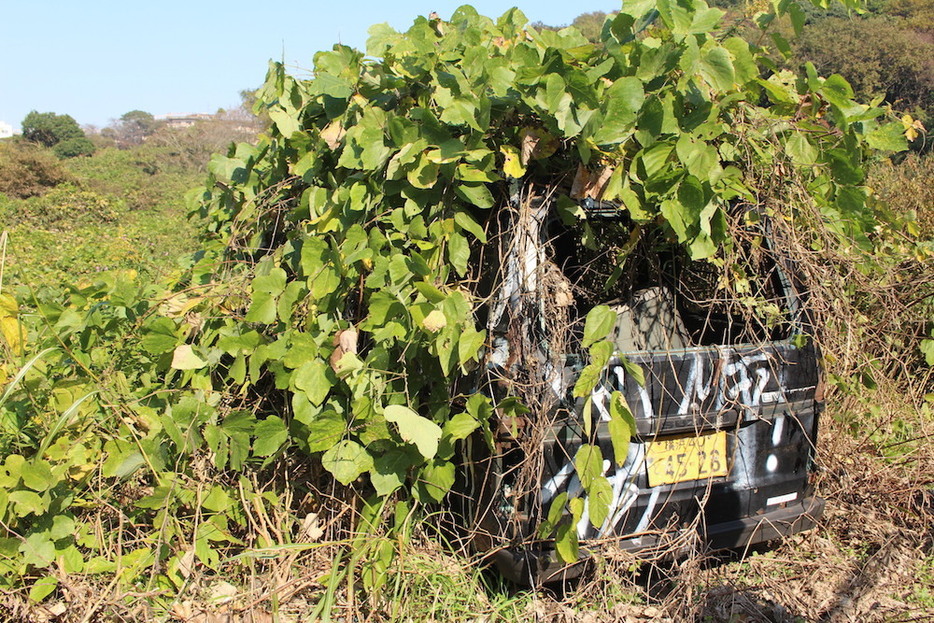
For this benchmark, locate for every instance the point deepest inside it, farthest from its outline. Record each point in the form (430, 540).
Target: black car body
(725, 418)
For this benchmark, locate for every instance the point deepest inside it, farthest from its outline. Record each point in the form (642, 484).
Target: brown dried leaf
(536, 144)
(182, 610)
(333, 134)
(186, 564)
(344, 342)
(590, 185)
(222, 593)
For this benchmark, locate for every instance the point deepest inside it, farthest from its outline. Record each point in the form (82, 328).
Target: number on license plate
(686, 458)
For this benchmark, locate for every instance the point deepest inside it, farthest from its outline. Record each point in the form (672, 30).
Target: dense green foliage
(115, 209)
(878, 56)
(61, 132)
(885, 51)
(73, 147)
(322, 328)
(355, 220)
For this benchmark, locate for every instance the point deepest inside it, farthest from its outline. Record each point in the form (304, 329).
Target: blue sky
(98, 59)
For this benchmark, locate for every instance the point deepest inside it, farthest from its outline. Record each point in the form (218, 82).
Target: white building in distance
(6, 130)
(183, 120)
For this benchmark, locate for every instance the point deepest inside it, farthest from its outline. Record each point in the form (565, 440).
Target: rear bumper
(532, 565)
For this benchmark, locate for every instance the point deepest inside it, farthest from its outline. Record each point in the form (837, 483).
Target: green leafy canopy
(333, 307)
(360, 209)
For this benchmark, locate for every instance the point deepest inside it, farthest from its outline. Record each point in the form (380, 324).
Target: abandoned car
(725, 412)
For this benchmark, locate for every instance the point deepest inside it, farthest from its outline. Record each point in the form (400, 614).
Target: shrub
(29, 171)
(65, 207)
(906, 187)
(73, 147)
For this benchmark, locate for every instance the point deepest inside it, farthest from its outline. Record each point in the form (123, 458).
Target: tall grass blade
(19, 375)
(62, 421)
(3, 240)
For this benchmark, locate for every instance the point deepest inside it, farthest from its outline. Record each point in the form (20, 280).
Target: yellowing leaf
(913, 127)
(512, 163)
(10, 328)
(184, 358)
(8, 306)
(434, 321)
(12, 332)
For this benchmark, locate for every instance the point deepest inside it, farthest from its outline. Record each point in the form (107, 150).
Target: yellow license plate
(686, 458)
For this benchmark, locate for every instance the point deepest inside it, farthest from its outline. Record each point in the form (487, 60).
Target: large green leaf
(622, 427)
(415, 429)
(588, 462)
(389, 471)
(716, 66)
(347, 460)
(287, 123)
(888, 137)
(159, 336)
(599, 498)
(184, 358)
(476, 194)
(460, 426)
(314, 379)
(271, 433)
(598, 324)
(599, 356)
(801, 150)
(566, 544)
(435, 480)
(623, 100)
(262, 308)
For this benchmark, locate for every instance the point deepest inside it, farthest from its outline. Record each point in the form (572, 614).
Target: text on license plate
(686, 458)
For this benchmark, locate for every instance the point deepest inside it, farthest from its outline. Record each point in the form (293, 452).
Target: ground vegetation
(268, 432)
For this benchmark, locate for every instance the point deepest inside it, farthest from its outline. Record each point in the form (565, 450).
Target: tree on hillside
(590, 24)
(60, 132)
(132, 128)
(49, 129)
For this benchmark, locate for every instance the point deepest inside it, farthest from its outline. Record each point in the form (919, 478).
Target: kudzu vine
(355, 220)
(333, 310)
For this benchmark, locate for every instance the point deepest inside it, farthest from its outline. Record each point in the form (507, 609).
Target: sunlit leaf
(415, 429)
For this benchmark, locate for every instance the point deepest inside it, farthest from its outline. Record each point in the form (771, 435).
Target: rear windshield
(666, 301)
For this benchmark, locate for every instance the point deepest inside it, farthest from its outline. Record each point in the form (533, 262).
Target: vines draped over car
(338, 302)
(357, 220)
